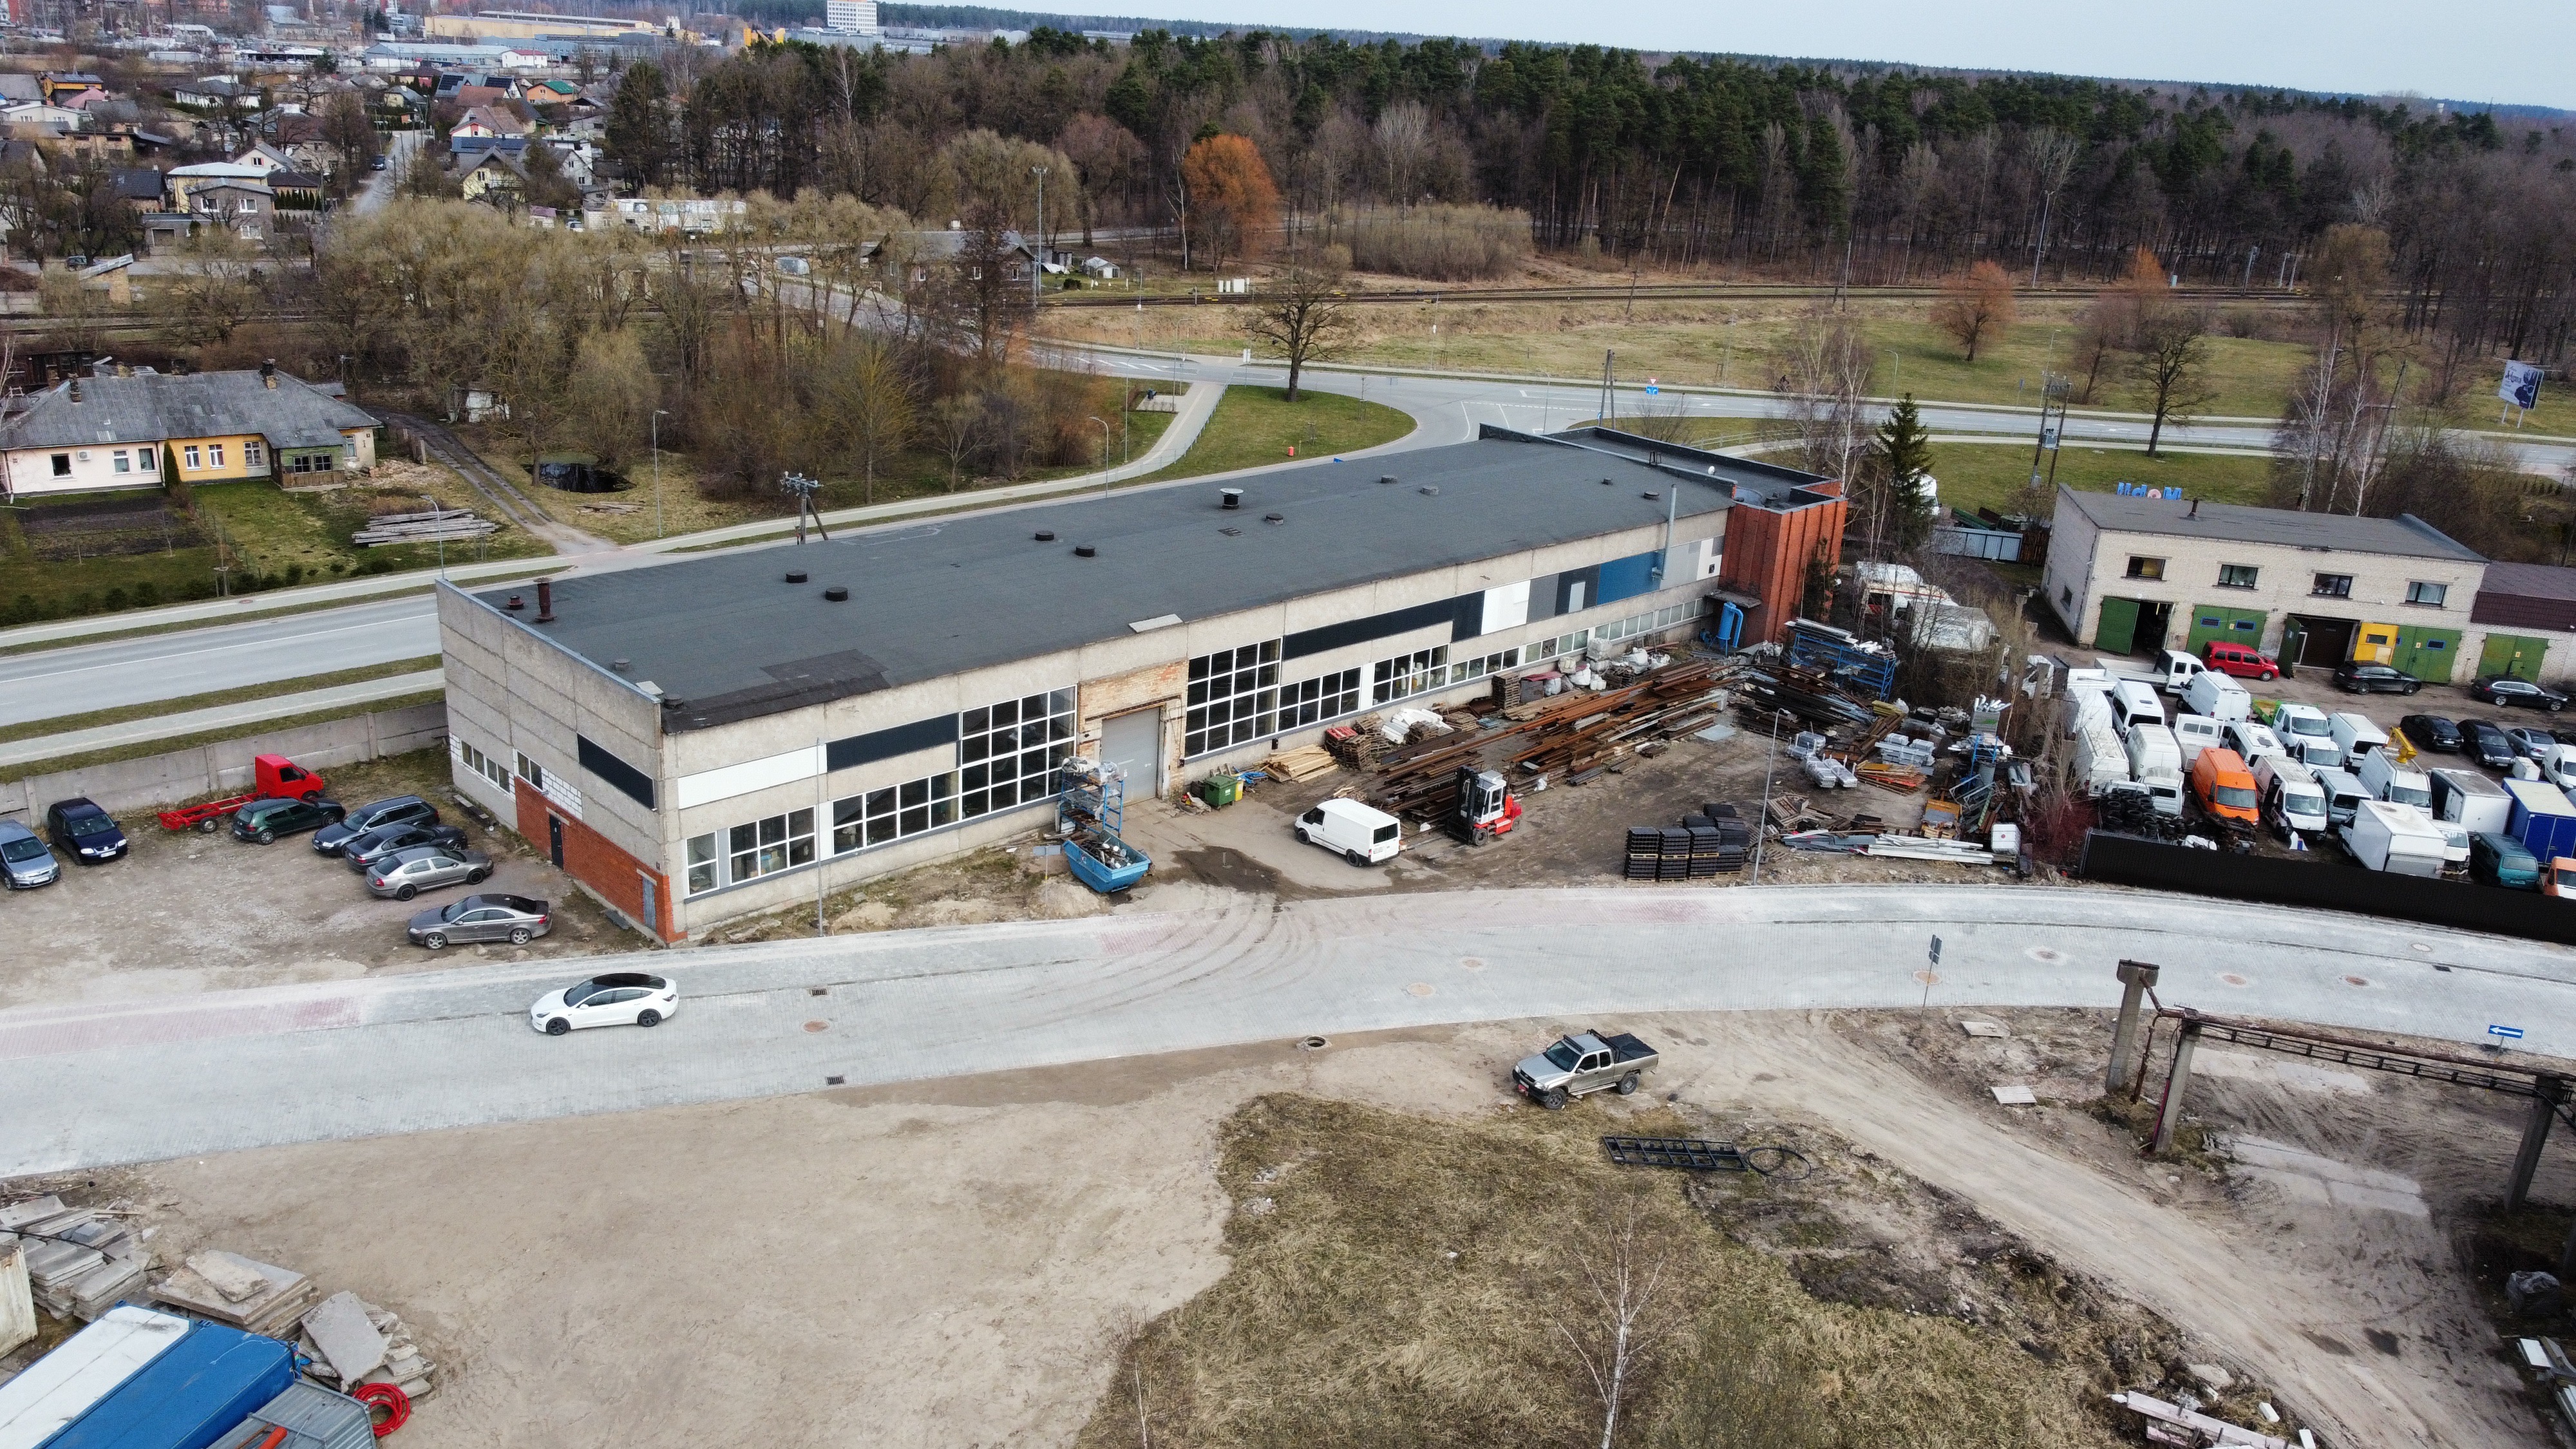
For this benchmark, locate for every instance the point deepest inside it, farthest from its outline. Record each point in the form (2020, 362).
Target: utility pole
(1037, 254)
(660, 522)
(1608, 358)
(1762, 821)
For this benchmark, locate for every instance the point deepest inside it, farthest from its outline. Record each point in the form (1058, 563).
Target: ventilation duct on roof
(1233, 497)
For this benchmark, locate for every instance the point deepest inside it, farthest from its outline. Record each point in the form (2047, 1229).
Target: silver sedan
(406, 873)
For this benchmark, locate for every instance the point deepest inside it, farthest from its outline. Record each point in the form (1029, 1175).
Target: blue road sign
(1936, 950)
(2505, 1033)
(1651, 389)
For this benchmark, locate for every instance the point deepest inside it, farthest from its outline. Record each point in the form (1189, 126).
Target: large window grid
(1010, 752)
(1234, 698)
(1316, 700)
(1645, 623)
(1408, 674)
(1469, 671)
(766, 847)
(878, 817)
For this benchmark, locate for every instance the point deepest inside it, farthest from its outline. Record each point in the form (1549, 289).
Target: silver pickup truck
(1582, 1064)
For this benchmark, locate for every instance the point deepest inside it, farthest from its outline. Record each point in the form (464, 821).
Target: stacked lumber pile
(1814, 699)
(352, 1342)
(1357, 744)
(1300, 765)
(250, 1295)
(80, 1261)
(447, 524)
(1576, 744)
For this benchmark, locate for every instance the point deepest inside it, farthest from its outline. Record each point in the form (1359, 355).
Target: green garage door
(2429, 654)
(2512, 654)
(2225, 625)
(2118, 632)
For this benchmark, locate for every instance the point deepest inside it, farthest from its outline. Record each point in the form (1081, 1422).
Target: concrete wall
(226, 764)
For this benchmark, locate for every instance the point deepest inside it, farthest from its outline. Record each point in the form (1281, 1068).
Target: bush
(1440, 243)
(114, 600)
(147, 594)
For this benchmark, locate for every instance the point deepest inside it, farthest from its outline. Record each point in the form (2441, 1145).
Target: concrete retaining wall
(226, 764)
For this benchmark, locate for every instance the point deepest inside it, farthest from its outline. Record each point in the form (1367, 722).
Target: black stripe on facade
(620, 776)
(886, 744)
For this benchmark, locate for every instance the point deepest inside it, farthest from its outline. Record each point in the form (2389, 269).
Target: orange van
(2224, 787)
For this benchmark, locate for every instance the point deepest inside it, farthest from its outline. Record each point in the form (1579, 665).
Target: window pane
(974, 747)
(1034, 707)
(943, 812)
(880, 802)
(913, 821)
(1060, 702)
(976, 721)
(975, 803)
(745, 837)
(1006, 793)
(1007, 712)
(800, 851)
(880, 829)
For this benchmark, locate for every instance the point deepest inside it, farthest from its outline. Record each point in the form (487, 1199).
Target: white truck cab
(2305, 731)
(2293, 801)
(1356, 832)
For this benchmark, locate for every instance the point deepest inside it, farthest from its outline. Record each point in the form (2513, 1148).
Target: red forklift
(1486, 806)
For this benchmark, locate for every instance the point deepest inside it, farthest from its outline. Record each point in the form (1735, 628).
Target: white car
(619, 998)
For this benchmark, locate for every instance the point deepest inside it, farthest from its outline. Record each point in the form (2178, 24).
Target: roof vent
(515, 603)
(620, 665)
(268, 373)
(795, 576)
(1650, 495)
(1386, 477)
(75, 390)
(837, 594)
(1084, 550)
(1046, 535)
(1605, 482)
(1233, 497)
(1430, 490)
(1274, 518)
(545, 601)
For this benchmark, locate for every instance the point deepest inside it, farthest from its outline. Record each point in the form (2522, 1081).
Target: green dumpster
(1220, 791)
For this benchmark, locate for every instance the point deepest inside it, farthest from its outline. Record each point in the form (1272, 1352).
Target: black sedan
(2507, 691)
(2431, 732)
(384, 840)
(2354, 677)
(81, 830)
(2486, 743)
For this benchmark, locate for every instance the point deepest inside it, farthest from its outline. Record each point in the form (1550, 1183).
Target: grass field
(1976, 475)
(1253, 427)
(1401, 1281)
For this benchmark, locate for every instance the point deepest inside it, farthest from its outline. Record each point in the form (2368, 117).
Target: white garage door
(1135, 741)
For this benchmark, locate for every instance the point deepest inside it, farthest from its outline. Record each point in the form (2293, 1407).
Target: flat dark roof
(2405, 536)
(733, 641)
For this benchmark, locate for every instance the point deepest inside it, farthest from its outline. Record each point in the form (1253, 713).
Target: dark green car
(2501, 860)
(265, 820)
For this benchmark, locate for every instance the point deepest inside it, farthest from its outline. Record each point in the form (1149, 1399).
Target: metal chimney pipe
(545, 601)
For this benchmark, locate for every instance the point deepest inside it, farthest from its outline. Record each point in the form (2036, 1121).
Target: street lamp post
(1037, 257)
(659, 522)
(1104, 445)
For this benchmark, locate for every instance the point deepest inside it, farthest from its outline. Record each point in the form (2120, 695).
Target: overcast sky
(2518, 54)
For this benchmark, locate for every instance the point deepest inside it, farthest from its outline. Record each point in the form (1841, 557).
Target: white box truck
(2155, 762)
(2100, 761)
(2388, 780)
(2470, 800)
(2293, 802)
(2356, 736)
(2217, 696)
(2394, 838)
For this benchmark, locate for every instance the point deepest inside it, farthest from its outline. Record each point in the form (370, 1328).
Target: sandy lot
(193, 912)
(961, 1262)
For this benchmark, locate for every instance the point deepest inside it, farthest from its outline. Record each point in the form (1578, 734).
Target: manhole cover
(1927, 978)
(818, 1026)
(2232, 979)
(1314, 1043)
(2047, 954)
(2356, 981)
(2424, 946)
(1471, 963)
(1420, 988)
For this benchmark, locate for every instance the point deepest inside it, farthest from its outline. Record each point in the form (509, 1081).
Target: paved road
(380, 187)
(44, 684)
(227, 718)
(92, 1085)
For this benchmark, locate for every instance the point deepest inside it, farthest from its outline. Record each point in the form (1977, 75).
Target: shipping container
(2542, 820)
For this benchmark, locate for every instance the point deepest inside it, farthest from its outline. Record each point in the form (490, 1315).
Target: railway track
(1621, 296)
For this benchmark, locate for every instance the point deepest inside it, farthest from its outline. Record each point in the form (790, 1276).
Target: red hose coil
(388, 1397)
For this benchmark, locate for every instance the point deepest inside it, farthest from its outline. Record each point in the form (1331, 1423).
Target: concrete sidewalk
(222, 716)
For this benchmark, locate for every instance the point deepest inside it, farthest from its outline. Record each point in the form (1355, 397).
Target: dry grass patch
(1400, 1281)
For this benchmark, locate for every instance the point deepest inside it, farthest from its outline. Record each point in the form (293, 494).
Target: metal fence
(2326, 883)
(1987, 543)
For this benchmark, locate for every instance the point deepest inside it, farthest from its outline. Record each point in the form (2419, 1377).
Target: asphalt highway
(93, 1084)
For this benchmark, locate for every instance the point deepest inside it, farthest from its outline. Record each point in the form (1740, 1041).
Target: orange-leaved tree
(1975, 306)
(1233, 202)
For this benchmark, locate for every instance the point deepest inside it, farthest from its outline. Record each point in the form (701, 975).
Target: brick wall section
(590, 859)
(1768, 552)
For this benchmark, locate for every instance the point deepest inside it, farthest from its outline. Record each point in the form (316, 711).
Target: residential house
(17, 86)
(471, 95)
(498, 179)
(56, 83)
(265, 158)
(298, 190)
(487, 121)
(215, 93)
(241, 207)
(184, 180)
(1100, 269)
(464, 151)
(578, 161)
(2133, 574)
(139, 187)
(550, 93)
(40, 113)
(95, 433)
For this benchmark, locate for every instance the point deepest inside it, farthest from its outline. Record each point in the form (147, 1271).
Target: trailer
(2542, 820)
(273, 777)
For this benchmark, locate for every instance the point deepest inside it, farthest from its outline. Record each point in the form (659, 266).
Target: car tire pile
(2128, 814)
(1713, 842)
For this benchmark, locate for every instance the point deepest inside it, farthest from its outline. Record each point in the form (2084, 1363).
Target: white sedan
(618, 999)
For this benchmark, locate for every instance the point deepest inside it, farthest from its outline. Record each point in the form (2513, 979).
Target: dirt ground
(963, 1262)
(186, 911)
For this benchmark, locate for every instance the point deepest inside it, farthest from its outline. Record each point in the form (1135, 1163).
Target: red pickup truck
(274, 777)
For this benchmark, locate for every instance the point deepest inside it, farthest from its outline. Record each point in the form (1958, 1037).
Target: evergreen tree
(1902, 460)
(642, 132)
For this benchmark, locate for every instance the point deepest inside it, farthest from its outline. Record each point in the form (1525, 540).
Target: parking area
(188, 911)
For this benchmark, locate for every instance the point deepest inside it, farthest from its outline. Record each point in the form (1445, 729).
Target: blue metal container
(188, 1397)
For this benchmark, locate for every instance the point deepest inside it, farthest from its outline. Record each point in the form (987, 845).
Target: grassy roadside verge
(1254, 427)
(252, 615)
(141, 749)
(66, 724)
(1984, 475)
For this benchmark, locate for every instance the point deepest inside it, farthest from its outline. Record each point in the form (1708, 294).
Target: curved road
(97, 1084)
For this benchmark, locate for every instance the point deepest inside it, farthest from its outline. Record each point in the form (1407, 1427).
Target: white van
(2307, 733)
(1353, 831)
(2356, 736)
(2195, 733)
(2344, 793)
(2385, 779)
(2250, 740)
(2155, 761)
(2293, 801)
(2217, 696)
(2133, 701)
(2176, 670)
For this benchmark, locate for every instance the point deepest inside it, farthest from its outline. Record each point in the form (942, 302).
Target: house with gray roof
(2131, 573)
(132, 430)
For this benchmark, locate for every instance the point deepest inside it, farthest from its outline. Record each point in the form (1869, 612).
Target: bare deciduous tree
(1974, 306)
(2171, 364)
(1301, 314)
(1620, 1306)
(1822, 368)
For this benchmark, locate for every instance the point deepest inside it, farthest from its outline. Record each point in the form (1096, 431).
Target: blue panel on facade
(1626, 578)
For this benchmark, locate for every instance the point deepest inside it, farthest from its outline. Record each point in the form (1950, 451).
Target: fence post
(2535, 1134)
(2176, 1082)
(2136, 979)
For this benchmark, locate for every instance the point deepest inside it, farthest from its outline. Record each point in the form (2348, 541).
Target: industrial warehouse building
(693, 741)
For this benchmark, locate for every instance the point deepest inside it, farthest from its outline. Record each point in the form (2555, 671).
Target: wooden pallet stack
(1357, 744)
(449, 524)
(1300, 765)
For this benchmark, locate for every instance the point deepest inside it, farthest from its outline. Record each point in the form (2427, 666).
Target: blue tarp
(187, 1398)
